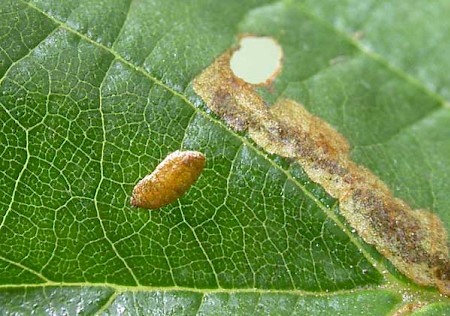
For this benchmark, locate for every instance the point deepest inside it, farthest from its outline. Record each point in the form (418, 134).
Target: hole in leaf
(258, 60)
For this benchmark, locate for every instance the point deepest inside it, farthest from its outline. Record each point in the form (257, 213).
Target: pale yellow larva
(169, 181)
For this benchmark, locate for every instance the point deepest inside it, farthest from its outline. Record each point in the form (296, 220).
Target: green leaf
(95, 94)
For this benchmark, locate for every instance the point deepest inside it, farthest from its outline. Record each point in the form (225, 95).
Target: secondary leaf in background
(95, 94)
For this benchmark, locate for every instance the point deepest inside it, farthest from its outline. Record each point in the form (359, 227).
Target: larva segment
(169, 181)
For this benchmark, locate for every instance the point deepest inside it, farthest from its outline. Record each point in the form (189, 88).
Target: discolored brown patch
(408, 309)
(169, 181)
(415, 241)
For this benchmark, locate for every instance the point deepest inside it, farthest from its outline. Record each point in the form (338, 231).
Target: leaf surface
(94, 95)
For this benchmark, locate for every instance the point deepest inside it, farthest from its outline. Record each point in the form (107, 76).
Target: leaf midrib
(143, 288)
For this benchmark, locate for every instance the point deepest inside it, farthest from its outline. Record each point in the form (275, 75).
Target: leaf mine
(169, 181)
(415, 241)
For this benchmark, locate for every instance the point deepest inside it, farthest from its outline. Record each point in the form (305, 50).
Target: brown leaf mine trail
(415, 241)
